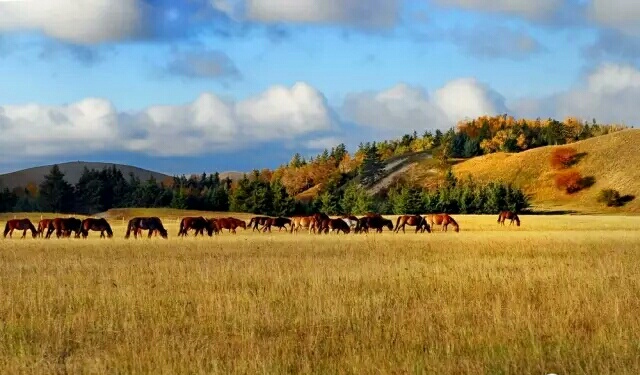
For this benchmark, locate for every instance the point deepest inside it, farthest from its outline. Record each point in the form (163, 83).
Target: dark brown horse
(337, 225)
(212, 226)
(373, 222)
(414, 221)
(278, 222)
(256, 221)
(445, 220)
(43, 227)
(96, 225)
(20, 224)
(199, 224)
(151, 224)
(64, 226)
(508, 215)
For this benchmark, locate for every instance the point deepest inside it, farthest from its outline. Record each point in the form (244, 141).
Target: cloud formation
(202, 64)
(622, 15)
(525, 8)
(495, 42)
(205, 126)
(404, 108)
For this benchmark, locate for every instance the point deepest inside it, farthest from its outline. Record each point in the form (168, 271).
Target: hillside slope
(72, 172)
(612, 160)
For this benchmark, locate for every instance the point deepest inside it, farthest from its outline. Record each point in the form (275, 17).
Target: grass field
(558, 295)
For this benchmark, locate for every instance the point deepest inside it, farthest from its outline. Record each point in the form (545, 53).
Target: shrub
(570, 181)
(563, 157)
(610, 197)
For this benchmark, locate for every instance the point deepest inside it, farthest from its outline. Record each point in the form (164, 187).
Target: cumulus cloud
(202, 64)
(207, 125)
(526, 8)
(609, 94)
(404, 108)
(366, 13)
(91, 21)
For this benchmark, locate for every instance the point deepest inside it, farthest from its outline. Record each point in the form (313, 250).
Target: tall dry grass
(559, 294)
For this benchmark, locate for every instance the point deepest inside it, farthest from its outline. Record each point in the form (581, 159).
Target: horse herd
(317, 223)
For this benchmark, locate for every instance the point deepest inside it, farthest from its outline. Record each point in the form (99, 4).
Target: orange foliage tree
(563, 157)
(570, 181)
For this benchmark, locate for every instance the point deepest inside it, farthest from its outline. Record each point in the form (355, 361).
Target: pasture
(558, 295)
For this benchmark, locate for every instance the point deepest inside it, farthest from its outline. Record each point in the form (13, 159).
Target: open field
(559, 294)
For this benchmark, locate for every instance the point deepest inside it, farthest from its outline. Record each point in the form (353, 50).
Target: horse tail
(6, 229)
(129, 228)
(181, 231)
(499, 217)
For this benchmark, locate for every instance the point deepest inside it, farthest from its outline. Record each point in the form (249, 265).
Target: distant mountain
(72, 172)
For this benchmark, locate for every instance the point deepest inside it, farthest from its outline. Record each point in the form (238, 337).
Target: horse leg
(24, 234)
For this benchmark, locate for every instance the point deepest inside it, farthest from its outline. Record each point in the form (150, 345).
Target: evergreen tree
(56, 195)
(239, 201)
(372, 167)
(178, 200)
(283, 204)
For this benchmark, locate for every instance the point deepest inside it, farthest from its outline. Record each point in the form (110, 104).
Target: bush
(570, 181)
(563, 157)
(610, 197)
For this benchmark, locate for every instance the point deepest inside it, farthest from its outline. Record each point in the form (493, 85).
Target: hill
(72, 171)
(612, 160)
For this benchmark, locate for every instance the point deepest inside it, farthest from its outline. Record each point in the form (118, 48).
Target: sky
(191, 86)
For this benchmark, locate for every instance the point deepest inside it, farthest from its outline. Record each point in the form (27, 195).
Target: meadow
(560, 294)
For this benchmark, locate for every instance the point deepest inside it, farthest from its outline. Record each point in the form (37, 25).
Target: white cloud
(368, 13)
(404, 108)
(623, 15)
(206, 125)
(322, 143)
(526, 8)
(89, 21)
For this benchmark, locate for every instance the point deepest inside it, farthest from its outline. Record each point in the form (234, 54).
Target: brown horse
(445, 220)
(20, 224)
(279, 222)
(256, 221)
(508, 215)
(212, 226)
(229, 223)
(64, 226)
(298, 222)
(151, 224)
(412, 220)
(43, 226)
(239, 223)
(199, 224)
(337, 225)
(373, 222)
(97, 225)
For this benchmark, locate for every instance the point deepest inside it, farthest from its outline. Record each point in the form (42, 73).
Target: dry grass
(559, 294)
(610, 159)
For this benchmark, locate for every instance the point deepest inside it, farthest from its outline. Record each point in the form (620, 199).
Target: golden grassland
(559, 294)
(611, 159)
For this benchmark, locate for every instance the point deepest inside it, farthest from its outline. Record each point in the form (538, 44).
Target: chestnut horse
(279, 222)
(43, 226)
(229, 223)
(298, 222)
(445, 220)
(97, 225)
(64, 226)
(20, 224)
(199, 224)
(337, 225)
(412, 220)
(504, 215)
(256, 221)
(137, 224)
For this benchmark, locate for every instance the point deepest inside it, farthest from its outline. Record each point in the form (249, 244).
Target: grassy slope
(612, 160)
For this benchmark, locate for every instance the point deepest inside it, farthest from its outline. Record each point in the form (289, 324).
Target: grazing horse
(199, 224)
(212, 226)
(20, 224)
(376, 222)
(138, 224)
(279, 222)
(412, 220)
(64, 226)
(504, 215)
(256, 221)
(43, 226)
(351, 221)
(229, 223)
(298, 222)
(98, 225)
(337, 225)
(445, 220)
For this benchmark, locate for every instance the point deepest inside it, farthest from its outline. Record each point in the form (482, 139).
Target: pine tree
(283, 204)
(372, 167)
(56, 195)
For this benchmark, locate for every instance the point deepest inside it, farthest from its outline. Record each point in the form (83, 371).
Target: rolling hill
(72, 171)
(612, 160)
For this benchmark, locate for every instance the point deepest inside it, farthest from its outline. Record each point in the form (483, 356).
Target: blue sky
(186, 86)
